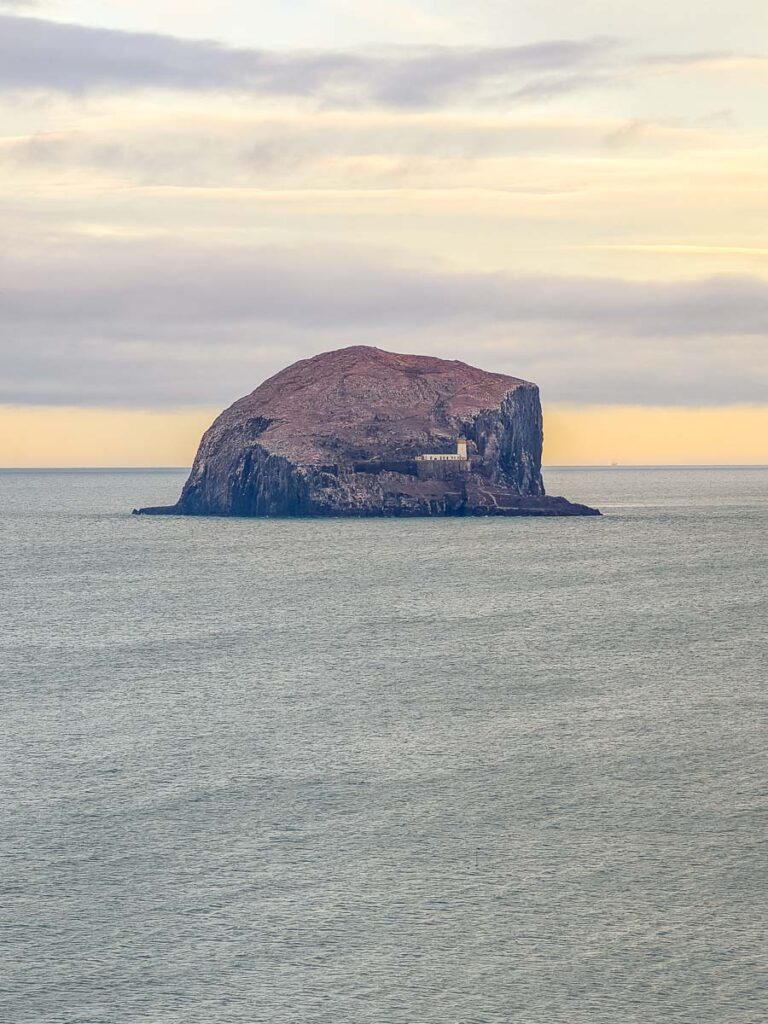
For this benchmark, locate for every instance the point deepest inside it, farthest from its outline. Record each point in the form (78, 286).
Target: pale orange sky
(572, 194)
(598, 435)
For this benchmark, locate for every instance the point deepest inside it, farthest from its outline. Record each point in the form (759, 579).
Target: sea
(447, 771)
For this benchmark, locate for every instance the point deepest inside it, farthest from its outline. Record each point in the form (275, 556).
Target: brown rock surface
(338, 435)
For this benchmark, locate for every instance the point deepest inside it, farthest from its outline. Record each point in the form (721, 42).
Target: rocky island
(363, 432)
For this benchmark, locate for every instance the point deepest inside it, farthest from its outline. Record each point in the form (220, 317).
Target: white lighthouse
(434, 465)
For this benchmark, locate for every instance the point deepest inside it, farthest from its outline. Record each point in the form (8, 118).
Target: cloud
(714, 60)
(38, 54)
(332, 150)
(153, 323)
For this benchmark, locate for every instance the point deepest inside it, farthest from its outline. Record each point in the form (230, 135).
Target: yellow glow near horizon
(650, 435)
(62, 437)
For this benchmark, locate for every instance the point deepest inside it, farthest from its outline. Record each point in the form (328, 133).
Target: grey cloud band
(46, 55)
(107, 322)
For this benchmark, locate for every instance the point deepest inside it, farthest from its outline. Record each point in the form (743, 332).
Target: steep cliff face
(339, 434)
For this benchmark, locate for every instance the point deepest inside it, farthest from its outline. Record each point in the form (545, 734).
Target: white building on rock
(460, 455)
(444, 467)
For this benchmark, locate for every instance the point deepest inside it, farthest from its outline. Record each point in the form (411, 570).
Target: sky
(194, 196)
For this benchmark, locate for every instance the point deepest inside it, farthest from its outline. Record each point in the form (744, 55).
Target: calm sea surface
(384, 772)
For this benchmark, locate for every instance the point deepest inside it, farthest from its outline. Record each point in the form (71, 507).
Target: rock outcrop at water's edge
(339, 435)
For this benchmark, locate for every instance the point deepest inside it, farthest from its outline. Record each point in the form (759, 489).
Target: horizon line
(585, 465)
